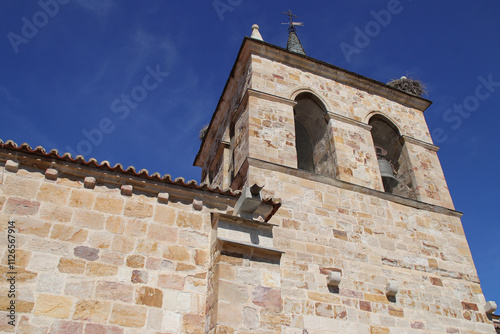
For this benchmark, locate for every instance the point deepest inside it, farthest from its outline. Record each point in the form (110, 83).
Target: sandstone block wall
(372, 241)
(93, 260)
(350, 109)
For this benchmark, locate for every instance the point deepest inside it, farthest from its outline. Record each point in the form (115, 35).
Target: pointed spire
(293, 43)
(255, 33)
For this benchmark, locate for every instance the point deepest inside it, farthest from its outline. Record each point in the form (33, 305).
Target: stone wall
(373, 240)
(94, 256)
(349, 111)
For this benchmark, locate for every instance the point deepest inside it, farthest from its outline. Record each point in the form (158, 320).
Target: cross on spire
(291, 24)
(293, 43)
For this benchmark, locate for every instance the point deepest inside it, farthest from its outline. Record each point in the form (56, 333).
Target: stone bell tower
(370, 239)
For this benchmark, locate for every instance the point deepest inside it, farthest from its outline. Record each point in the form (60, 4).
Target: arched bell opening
(392, 157)
(312, 138)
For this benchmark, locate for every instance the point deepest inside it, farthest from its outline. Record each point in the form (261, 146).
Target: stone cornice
(348, 120)
(262, 95)
(271, 97)
(333, 72)
(421, 143)
(353, 187)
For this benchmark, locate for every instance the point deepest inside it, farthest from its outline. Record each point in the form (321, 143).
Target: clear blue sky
(71, 71)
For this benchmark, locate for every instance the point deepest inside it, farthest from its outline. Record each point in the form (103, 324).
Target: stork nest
(409, 85)
(203, 132)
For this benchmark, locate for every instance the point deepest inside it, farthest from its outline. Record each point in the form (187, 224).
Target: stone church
(323, 208)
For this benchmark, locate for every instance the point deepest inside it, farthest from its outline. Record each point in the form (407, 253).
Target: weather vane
(292, 24)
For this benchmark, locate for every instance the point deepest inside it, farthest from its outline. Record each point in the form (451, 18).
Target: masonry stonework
(100, 249)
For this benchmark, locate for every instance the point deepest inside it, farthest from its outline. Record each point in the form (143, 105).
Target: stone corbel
(250, 204)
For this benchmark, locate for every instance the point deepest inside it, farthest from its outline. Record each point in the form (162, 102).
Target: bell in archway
(390, 182)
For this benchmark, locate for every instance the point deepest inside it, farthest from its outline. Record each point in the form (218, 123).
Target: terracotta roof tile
(144, 173)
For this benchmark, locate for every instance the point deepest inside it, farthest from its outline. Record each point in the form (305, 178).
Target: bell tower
(370, 238)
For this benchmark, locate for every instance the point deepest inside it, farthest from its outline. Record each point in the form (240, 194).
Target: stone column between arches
(355, 157)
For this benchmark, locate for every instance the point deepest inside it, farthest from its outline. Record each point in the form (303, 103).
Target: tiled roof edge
(143, 173)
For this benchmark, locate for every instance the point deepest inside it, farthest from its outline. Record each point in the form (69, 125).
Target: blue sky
(82, 68)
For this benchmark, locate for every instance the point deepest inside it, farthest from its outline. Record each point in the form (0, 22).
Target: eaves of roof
(130, 171)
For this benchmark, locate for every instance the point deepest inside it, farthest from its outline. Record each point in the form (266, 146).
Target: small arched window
(392, 158)
(312, 138)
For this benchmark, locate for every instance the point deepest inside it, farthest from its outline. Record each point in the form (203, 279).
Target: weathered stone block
(64, 327)
(192, 238)
(100, 269)
(101, 329)
(88, 219)
(136, 228)
(177, 253)
(201, 257)
(21, 206)
(81, 290)
(135, 261)
(122, 244)
(379, 330)
(17, 186)
(12, 166)
(163, 198)
(469, 306)
(147, 247)
(139, 276)
(138, 209)
(114, 291)
(126, 190)
(87, 253)
(22, 258)
(89, 182)
(92, 311)
(324, 310)
(171, 281)
(365, 306)
(82, 199)
(99, 240)
(116, 224)
(51, 174)
(68, 233)
(149, 296)
(33, 226)
(197, 205)
(165, 214)
(159, 264)
(396, 311)
(53, 193)
(267, 297)
(108, 204)
(162, 233)
(128, 316)
(228, 315)
(55, 213)
(193, 323)
(43, 262)
(188, 219)
(53, 306)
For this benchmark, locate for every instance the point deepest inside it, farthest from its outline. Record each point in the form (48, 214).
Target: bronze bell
(390, 182)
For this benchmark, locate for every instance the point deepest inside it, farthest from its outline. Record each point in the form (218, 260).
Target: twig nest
(409, 85)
